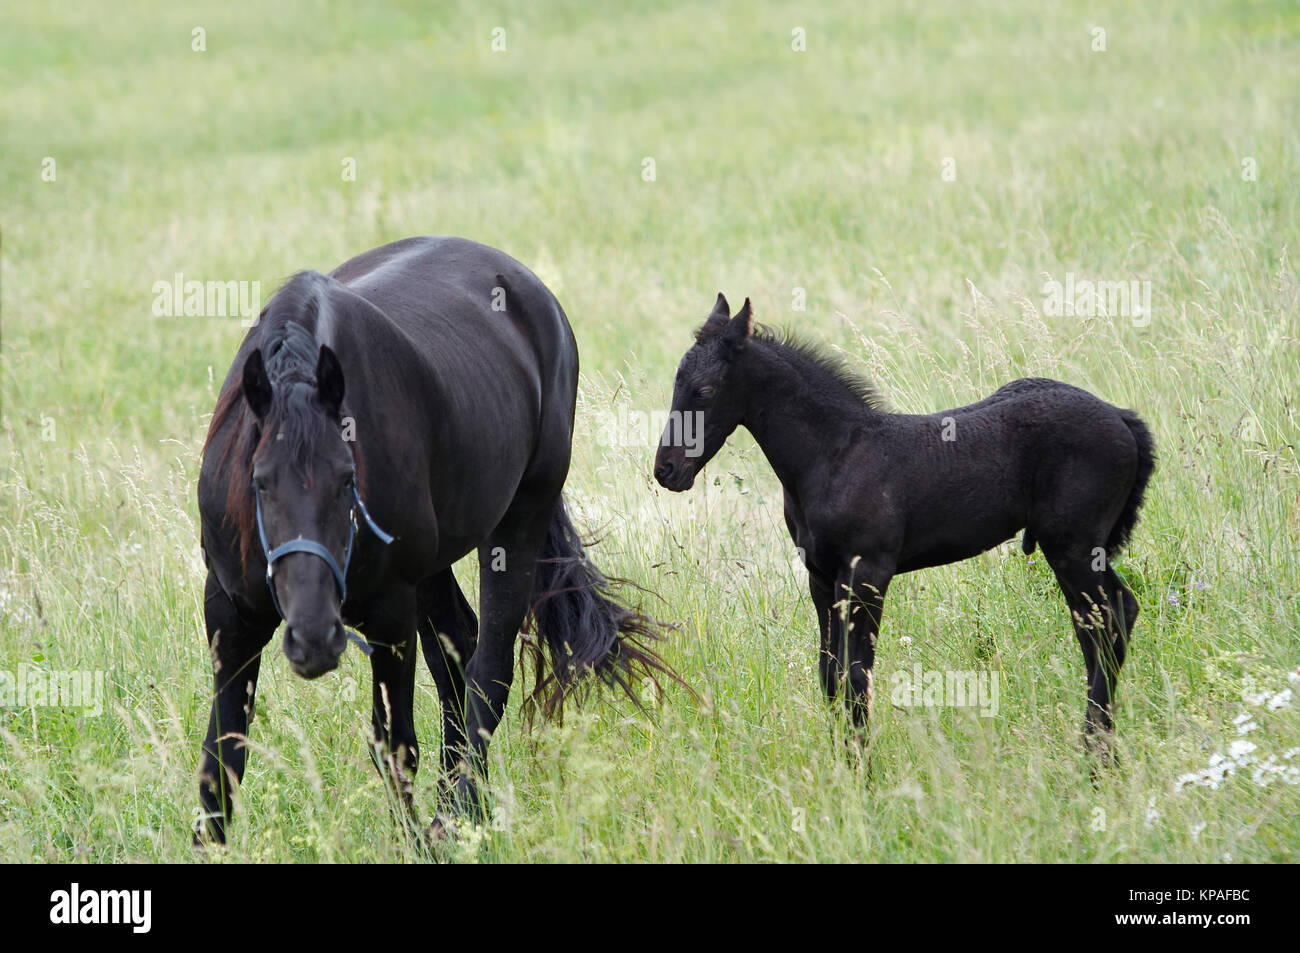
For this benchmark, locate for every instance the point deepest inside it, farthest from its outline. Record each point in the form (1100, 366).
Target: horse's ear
(256, 385)
(329, 379)
(739, 329)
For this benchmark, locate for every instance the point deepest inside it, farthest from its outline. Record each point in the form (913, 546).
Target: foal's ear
(720, 308)
(329, 379)
(739, 329)
(256, 385)
(717, 319)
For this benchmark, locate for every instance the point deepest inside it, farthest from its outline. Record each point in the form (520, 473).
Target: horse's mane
(287, 338)
(816, 361)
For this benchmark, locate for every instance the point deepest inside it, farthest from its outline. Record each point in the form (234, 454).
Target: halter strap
(304, 545)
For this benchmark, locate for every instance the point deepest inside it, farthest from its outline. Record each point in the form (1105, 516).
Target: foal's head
(708, 397)
(303, 475)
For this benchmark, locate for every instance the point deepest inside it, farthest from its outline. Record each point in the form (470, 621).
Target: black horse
(870, 493)
(454, 427)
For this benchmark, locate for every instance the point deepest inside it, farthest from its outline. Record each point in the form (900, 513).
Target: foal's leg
(236, 651)
(1097, 609)
(861, 600)
(1126, 608)
(448, 633)
(830, 654)
(390, 630)
(1121, 610)
(507, 560)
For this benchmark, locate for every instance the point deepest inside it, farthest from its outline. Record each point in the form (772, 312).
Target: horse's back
(464, 303)
(431, 279)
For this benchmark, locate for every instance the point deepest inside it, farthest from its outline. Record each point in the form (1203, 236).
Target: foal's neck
(798, 409)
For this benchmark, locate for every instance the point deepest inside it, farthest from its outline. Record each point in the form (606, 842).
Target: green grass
(775, 170)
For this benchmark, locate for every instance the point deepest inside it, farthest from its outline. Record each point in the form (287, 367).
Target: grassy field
(919, 175)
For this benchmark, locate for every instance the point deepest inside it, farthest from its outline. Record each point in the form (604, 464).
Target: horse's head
(708, 397)
(303, 475)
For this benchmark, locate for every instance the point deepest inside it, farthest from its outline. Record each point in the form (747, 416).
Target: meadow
(902, 184)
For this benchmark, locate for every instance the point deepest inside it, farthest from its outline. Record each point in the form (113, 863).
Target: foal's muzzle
(674, 472)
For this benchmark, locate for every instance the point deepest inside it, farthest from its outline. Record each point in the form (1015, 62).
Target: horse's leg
(507, 560)
(448, 633)
(830, 654)
(236, 650)
(861, 588)
(390, 630)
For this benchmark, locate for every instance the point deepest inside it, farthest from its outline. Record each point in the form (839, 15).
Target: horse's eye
(706, 392)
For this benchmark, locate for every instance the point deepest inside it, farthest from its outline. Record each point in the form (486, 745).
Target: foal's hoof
(207, 835)
(440, 829)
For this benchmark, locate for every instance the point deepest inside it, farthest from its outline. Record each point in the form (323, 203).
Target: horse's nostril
(293, 647)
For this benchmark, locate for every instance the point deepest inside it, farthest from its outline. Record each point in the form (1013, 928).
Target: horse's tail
(1146, 448)
(583, 627)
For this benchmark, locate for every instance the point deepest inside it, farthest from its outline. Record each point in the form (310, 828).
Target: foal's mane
(818, 362)
(287, 337)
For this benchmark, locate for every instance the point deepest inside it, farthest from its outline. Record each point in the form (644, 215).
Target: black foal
(870, 493)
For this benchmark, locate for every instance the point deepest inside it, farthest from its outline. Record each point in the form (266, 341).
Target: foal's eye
(706, 392)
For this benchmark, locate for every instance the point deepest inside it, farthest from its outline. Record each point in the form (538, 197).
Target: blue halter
(302, 545)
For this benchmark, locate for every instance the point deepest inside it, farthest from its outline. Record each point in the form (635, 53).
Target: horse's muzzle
(313, 655)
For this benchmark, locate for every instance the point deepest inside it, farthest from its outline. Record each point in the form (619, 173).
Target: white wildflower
(1240, 751)
(1209, 777)
(1268, 771)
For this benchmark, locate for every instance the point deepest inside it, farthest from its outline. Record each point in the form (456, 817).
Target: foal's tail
(1146, 448)
(585, 629)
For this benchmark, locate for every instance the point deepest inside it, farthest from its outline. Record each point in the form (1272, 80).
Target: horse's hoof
(467, 802)
(1099, 748)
